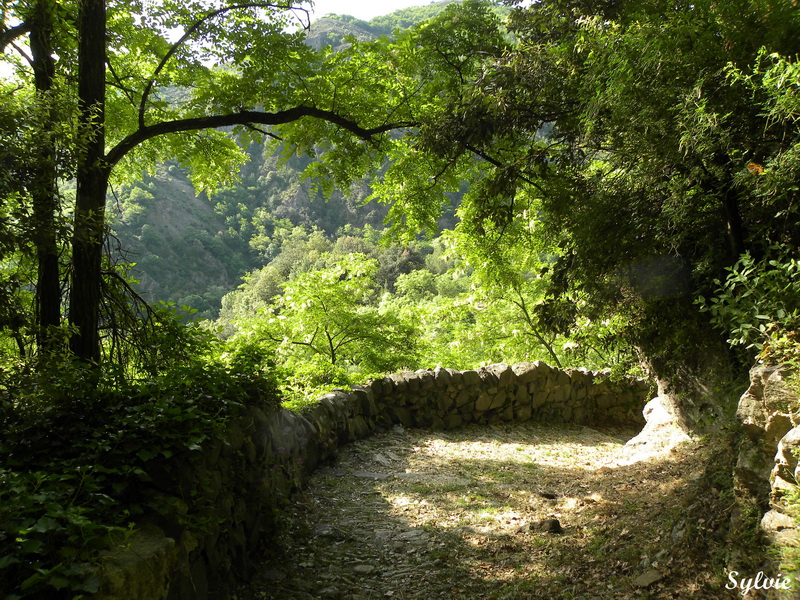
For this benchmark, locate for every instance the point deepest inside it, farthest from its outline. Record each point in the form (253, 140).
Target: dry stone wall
(241, 479)
(446, 399)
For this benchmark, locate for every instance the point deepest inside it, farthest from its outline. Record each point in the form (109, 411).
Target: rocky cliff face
(767, 466)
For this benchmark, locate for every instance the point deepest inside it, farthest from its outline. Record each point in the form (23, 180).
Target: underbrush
(76, 455)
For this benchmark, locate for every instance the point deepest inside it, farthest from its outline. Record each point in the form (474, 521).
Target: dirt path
(511, 512)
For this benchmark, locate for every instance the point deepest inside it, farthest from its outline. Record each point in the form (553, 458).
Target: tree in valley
(327, 323)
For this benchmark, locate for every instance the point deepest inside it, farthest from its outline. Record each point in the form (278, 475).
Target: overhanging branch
(9, 35)
(493, 161)
(244, 118)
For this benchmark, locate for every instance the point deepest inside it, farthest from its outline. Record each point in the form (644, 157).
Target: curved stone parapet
(242, 479)
(445, 399)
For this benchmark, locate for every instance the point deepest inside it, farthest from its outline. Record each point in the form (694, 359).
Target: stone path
(508, 512)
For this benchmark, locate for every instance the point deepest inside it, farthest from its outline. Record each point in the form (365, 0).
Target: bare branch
(490, 159)
(22, 53)
(263, 132)
(128, 290)
(117, 83)
(519, 301)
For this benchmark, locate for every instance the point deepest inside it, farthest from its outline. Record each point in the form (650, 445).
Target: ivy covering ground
(76, 458)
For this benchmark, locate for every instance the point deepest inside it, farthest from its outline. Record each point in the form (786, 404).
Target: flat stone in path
(647, 579)
(371, 475)
(363, 569)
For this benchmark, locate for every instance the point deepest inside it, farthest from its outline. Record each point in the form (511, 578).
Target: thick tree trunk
(92, 183)
(45, 192)
(695, 372)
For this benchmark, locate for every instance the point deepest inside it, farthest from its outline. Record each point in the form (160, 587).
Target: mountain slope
(192, 250)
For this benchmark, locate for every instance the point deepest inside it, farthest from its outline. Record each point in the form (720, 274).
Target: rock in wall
(766, 467)
(238, 482)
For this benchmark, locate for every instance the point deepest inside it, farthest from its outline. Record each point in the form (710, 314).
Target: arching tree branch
(244, 118)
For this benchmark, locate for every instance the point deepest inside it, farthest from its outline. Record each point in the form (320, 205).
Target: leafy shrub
(76, 458)
(758, 304)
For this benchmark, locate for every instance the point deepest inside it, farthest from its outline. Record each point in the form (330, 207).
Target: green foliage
(758, 298)
(758, 307)
(620, 157)
(326, 327)
(336, 313)
(239, 66)
(192, 249)
(634, 150)
(417, 285)
(79, 458)
(49, 532)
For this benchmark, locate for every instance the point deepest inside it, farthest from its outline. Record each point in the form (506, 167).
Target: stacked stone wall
(242, 478)
(766, 470)
(446, 399)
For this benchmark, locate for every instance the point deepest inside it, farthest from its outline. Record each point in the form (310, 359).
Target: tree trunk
(736, 233)
(523, 306)
(92, 183)
(690, 361)
(45, 192)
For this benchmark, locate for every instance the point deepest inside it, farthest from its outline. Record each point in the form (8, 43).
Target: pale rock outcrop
(767, 464)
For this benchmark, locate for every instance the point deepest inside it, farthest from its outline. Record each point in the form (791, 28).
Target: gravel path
(508, 512)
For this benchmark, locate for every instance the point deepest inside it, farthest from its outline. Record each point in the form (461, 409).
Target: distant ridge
(332, 29)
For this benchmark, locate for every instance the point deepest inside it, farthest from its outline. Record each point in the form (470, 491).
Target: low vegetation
(78, 456)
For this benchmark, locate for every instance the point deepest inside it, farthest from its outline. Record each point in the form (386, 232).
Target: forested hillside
(191, 249)
(331, 30)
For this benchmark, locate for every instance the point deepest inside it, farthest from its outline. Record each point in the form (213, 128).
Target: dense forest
(611, 185)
